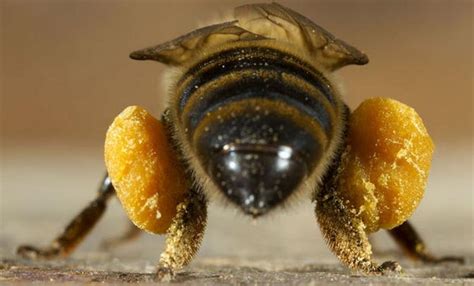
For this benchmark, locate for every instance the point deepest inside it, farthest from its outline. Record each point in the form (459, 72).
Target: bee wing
(281, 23)
(179, 50)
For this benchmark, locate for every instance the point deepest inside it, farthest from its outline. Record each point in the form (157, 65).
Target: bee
(256, 117)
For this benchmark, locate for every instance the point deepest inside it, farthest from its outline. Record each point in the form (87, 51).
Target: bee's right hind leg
(346, 236)
(76, 230)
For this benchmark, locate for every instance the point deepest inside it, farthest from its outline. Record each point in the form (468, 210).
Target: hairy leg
(345, 234)
(184, 236)
(76, 230)
(410, 241)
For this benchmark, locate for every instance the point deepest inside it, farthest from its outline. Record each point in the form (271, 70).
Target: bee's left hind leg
(76, 230)
(410, 241)
(184, 235)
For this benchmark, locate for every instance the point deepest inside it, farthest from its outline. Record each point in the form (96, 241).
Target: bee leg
(406, 236)
(130, 234)
(184, 235)
(345, 234)
(77, 229)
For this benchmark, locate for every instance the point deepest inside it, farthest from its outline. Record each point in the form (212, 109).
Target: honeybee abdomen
(232, 77)
(259, 120)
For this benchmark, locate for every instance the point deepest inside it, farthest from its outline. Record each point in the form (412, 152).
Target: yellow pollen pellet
(385, 167)
(144, 169)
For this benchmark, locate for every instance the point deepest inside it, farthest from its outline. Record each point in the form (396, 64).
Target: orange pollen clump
(144, 169)
(385, 166)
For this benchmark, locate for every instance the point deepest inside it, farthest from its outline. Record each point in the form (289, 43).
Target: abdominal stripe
(220, 81)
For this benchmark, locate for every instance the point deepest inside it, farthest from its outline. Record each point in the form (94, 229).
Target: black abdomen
(259, 120)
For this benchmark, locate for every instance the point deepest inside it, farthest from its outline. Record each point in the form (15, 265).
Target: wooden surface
(227, 271)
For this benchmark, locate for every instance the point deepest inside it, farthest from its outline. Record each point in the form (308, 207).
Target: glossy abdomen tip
(257, 177)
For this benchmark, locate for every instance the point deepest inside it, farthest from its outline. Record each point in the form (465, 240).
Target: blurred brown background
(66, 74)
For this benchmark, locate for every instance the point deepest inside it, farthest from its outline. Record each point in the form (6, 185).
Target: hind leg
(76, 230)
(346, 237)
(410, 241)
(184, 235)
